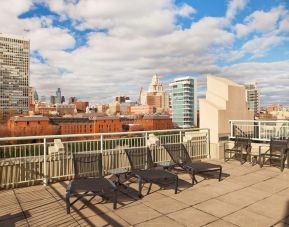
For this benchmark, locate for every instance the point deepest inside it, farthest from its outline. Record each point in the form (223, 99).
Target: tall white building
(253, 96)
(155, 96)
(184, 101)
(14, 75)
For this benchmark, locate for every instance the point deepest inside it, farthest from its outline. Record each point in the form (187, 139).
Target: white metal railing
(260, 130)
(26, 160)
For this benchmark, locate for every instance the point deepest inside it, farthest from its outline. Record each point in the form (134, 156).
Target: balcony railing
(260, 130)
(26, 160)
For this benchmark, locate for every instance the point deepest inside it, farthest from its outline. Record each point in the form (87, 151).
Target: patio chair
(145, 170)
(241, 150)
(181, 157)
(88, 180)
(276, 155)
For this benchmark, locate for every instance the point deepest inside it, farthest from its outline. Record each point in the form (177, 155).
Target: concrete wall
(225, 100)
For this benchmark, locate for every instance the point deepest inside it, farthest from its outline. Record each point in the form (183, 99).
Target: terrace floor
(247, 196)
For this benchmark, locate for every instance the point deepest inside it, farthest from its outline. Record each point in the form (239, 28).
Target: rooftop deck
(247, 196)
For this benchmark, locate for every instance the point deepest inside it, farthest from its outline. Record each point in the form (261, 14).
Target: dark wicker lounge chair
(241, 150)
(276, 155)
(88, 179)
(181, 157)
(145, 170)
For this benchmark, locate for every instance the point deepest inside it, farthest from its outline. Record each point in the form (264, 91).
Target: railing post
(209, 144)
(259, 130)
(45, 180)
(180, 136)
(101, 143)
(231, 126)
(101, 151)
(146, 139)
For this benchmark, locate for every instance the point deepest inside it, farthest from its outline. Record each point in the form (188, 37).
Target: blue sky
(98, 49)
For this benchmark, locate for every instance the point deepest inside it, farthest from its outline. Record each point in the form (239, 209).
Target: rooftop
(247, 196)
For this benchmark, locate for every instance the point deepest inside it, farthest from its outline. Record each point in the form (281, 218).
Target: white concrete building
(225, 100)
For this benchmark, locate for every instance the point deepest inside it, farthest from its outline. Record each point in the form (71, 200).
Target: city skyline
(86, 47)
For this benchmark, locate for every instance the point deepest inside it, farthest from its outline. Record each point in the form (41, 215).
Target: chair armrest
(260, 150)
(227, 143)
(157, 166)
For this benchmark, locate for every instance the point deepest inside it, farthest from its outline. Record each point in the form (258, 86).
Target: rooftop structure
(225, 100)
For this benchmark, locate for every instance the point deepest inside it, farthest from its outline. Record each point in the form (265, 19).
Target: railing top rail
(97, 134)
(266, 121)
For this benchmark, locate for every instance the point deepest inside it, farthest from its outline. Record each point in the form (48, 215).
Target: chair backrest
(242, 142)
(278, 146)
(178, 153)
(139, 158)
(87, 164)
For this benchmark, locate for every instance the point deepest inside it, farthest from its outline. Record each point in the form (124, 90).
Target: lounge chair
(181, 157)
(241, 150)
(277, 154)
(145, 170)
(88, 180)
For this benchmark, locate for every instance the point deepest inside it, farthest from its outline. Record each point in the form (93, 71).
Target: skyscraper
(253, 96)
(14, 75)
(58, 96)
(184, 101)
(155, 96)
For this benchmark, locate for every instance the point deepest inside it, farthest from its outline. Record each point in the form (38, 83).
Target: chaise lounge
(181, 158)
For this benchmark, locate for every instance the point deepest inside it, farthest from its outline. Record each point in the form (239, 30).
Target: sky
(98, 49)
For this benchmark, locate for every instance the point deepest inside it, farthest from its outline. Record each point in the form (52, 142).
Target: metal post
(101, 151)
(259, 130)
(209, 143)
(231, 126)
(45, 180)
(101, 144)
(146, 139)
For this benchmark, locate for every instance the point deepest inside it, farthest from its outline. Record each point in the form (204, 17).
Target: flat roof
(12, 36)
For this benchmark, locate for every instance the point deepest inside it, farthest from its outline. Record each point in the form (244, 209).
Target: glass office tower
(183, 94)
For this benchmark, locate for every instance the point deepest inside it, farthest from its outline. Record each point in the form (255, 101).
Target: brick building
(155, 122)
(31, 126)
(86, 125)
(81, 106)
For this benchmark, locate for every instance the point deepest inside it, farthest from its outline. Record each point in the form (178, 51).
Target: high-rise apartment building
(253, 96)
(14, 75)
(155, 96)
(184, 101)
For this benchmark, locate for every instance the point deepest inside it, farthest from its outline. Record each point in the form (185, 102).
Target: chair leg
(177, 185)
(220, 174)
(139, 187)
(194, 178)
(115, 198)
(67, 196)
(150, 187)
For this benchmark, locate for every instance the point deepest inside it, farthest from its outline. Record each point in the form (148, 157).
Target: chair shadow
(11, 220)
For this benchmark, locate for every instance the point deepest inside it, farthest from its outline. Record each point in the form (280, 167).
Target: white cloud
(261, 21)
(234, 6)
(284, 24)
(142, 39)
(185, 10)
